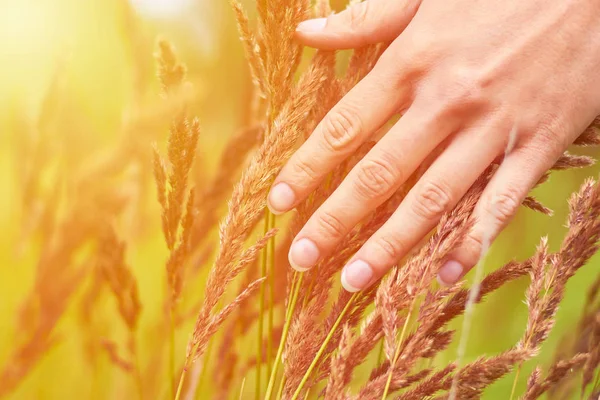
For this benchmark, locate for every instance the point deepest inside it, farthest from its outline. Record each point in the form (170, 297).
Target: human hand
(482, 79)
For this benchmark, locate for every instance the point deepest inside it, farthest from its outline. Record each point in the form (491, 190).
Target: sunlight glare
(161, 8)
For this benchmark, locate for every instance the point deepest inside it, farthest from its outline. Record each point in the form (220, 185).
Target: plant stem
(549, 285)
(261, 312)
(514, 385)
(295, 289)
(323, 346)
(413, 303)
(310, 288)
(281, 386)
(468, 318)
(271, 271)
(180, 386)
(397, 350)
(380, 355)
(172, 349)
(242, 389)
(136, 361)
(205, 362)
(596, 383)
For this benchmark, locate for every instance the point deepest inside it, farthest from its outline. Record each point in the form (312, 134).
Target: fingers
(440, 188)
(367, 22)
(369, 184)
(500, 201)
(355, 118)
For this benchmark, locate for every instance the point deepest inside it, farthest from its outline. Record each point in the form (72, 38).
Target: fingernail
(450, 273)
(303, 255)
(356, 276)
(281, 198)
(312, 25)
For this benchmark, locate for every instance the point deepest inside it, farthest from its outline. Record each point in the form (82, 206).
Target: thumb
(367, 22)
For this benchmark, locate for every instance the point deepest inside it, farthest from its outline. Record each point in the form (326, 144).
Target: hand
(485, 80)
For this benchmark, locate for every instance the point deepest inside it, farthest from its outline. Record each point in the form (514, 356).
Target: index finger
(354, 119)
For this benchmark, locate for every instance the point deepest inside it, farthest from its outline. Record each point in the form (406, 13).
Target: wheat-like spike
(255, 62)
(248, 200)
(570, 161)
(171, 73)
(533, 204)
(339, 374)
(120, 279)
(536, 387)
(591, 136)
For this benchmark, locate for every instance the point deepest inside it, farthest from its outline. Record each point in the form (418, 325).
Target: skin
(483, 80)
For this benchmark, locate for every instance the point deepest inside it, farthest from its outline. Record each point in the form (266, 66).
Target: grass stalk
(380, 355)
(180, 386)
(172, 349)
(281, 386)
(527, 339)
(136, 365)
(295, 289)
(271, 272)
(323, 346)
(310, 288)
(240, 397)
(468, 319)
(388, 382)
(261, 312)
(514, 385)
(205, 362)
(413, 303)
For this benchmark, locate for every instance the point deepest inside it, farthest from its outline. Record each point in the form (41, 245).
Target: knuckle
(464, 91)
(303, 170)
(502, 206)
(375, 178)
(401, 69)
(340, 128)
(548, 138)
(432, 201)
(389, 246)
(331, 225)
(474, 245)
(475, 241)
(358, 15)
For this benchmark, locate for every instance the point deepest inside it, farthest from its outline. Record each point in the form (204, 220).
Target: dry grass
(319, 340)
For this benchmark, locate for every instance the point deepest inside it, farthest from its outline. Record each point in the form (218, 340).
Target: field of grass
(83, 114)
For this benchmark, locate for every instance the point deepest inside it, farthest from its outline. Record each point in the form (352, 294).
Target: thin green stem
(295, 289)
(404, 328)
(281, 386)
(172, 349)
(180, 386)
(514, 385)
(596, 383)
(388, 382)
(261, 312)
(271, 270)
(518, 372)
(310, 289)
(323, 346)
(380, 355)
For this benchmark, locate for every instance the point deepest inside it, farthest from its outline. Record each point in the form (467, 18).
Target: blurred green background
(98, 54)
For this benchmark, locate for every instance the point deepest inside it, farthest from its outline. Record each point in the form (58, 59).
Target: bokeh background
(77, 80)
